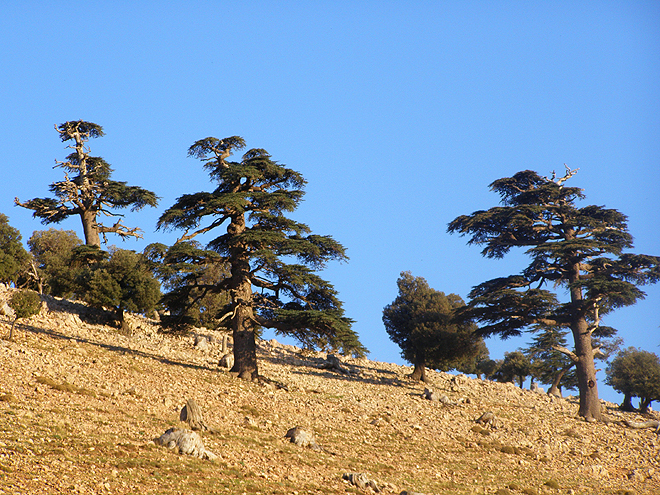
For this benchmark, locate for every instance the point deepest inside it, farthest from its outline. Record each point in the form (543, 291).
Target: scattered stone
(487, 418)
(429, 394)
(534, 387)
(202, 343)
(185, 442)
(192, 414)
(333, 363)
(361, 481)
(302, 438)
(227, 361)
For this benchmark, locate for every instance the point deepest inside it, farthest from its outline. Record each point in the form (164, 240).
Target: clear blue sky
(399, 115)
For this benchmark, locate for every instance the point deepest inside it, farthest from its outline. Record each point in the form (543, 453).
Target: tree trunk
(644, 404)
(419, 373)
(11, 330)
(586, 374)
(555, 389)
(585, 367)
(90, 228)
(626, 405)
(242, 323)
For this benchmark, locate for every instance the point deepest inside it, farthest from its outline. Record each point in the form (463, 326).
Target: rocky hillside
(80, 406)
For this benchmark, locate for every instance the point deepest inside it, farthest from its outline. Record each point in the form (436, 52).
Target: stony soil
(80, 405)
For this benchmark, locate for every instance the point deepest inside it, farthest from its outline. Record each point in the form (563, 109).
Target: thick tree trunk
(245, 347)
(585, 367)
(242, 323)
(626, 405)
(586, 373)
(419, 372)
(90, 229)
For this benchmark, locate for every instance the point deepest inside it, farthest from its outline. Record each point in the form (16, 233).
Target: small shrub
(25, 303)
(552, 484)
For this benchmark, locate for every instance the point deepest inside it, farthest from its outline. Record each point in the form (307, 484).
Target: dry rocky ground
(80, 405)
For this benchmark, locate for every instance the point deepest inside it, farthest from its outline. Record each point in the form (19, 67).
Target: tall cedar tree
(421, 321)
(580, 249)
(251, 198)
(91, 192)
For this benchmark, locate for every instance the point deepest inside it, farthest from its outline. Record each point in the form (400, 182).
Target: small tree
(91, 192)
(14, 259)
(25, 303)
(188, 273)
(515, 366)
(577, 248)
(53, 252)
(251, 198)
(422, 322)
(475, 364)
(123, 282)
(635, 373)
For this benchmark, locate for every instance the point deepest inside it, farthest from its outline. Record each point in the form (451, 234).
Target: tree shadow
(115, 348)
(311, 365)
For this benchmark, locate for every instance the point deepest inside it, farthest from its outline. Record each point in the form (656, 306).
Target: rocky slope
(80, 406)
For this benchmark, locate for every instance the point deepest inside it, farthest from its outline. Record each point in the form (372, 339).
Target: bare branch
(572, 356)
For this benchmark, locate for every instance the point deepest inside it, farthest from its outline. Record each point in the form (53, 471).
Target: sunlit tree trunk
(243, 323)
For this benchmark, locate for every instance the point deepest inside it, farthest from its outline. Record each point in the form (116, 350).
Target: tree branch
(571, 355)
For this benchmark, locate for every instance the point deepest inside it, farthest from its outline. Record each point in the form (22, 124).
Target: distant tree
(25, 303)
(549, 365)
(14, 259)
(258, 245)
(91, 192)
(422, 322)
(53, 252)
(635, 373)
(122, 282)
(488, 367)
(580, 249)
(475, 364)
(515, 366)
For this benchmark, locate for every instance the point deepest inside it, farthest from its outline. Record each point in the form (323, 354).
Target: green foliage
(260, 247)
(515, 366)
(25, 303)
(547, 362)
(540, 213)
(422, 322)
(13, 256)
(636, 373)
(53, 252)
(579, 249)
(87, 190)
(188, 274)
(123, 282)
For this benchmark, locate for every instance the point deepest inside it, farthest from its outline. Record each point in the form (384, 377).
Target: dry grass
(79, 408)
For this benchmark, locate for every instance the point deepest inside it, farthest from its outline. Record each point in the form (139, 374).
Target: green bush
(25, 303)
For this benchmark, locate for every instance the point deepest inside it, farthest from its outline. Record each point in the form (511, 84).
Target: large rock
(185, 442)
(303, 438)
